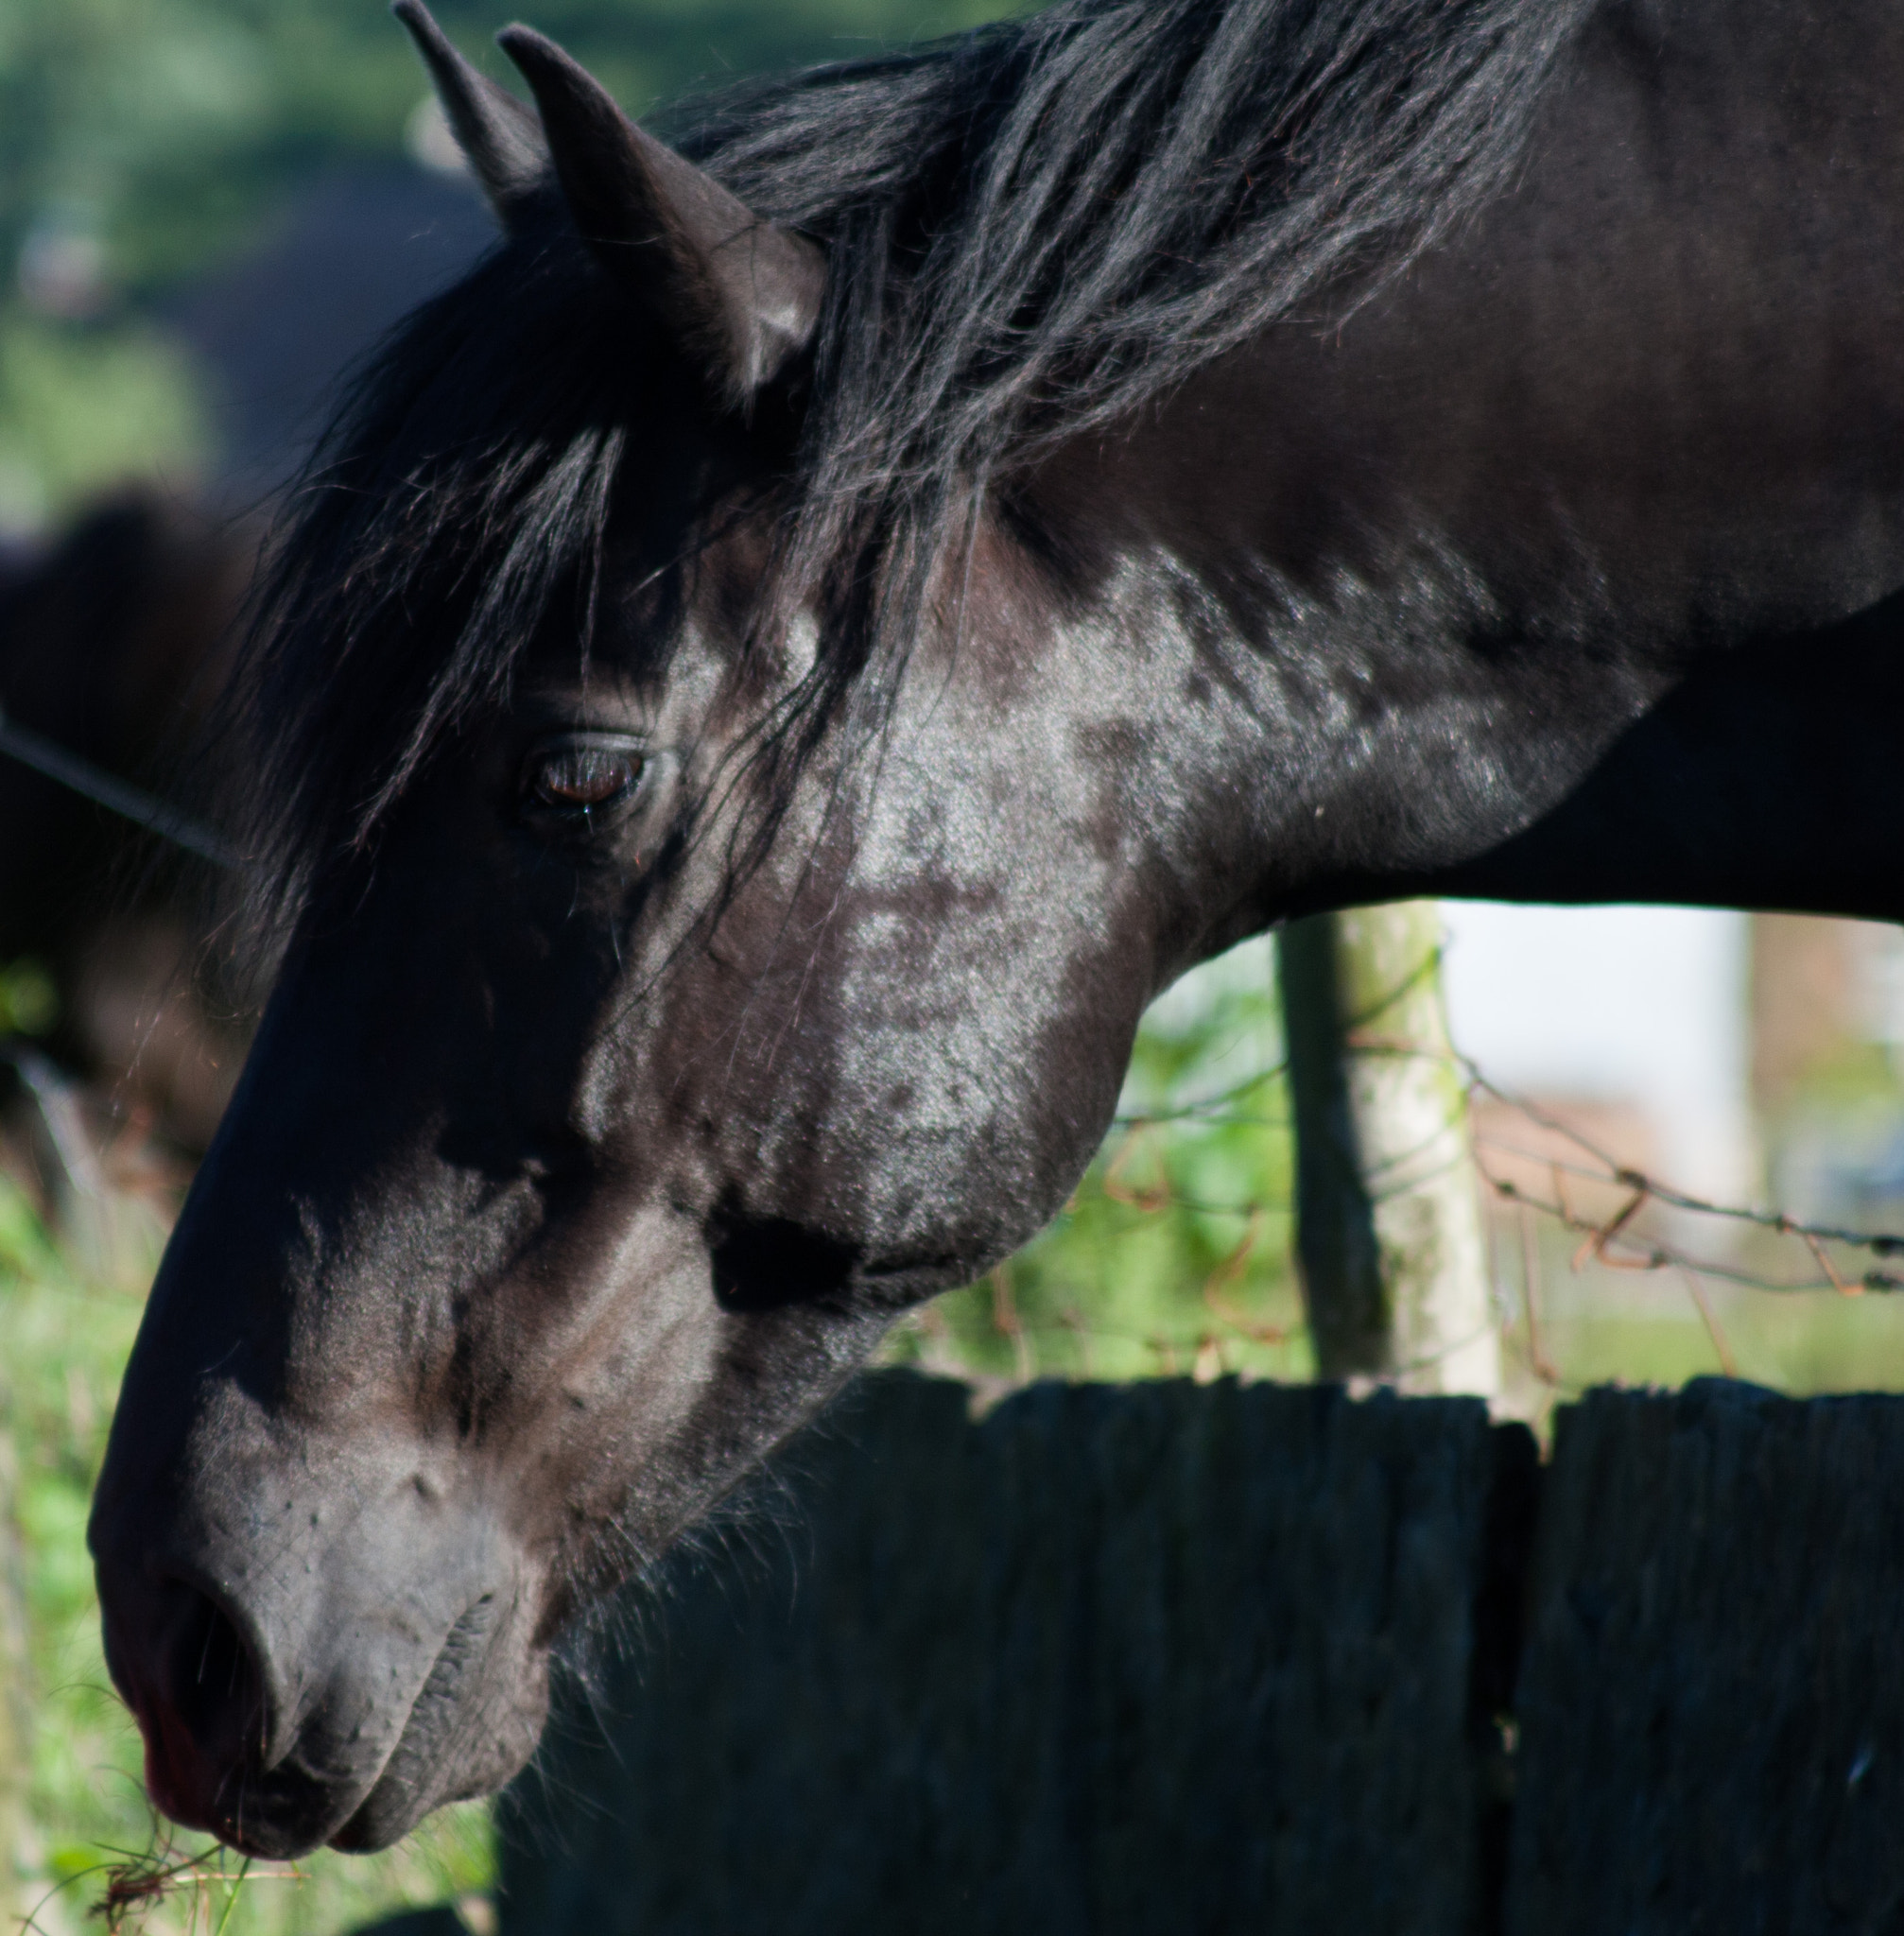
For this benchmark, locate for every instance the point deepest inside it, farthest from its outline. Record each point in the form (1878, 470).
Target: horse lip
(154, 1736)
(343, 1830)
(161, 1756)
(358, 1835)
(163, 1751)
(269, 1785)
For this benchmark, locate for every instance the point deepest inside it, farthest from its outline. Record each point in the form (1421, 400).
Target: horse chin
(452, 1750)
(394, 1805)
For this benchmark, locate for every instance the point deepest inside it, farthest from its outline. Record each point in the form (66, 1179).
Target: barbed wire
(1612, 1240)
(1135, 1174)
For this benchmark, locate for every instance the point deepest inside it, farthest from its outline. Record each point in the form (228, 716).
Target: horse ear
(498, 135)
(739, 294)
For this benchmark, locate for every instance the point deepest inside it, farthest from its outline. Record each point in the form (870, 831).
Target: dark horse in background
(112, 643)
(776, 669)
(116, 637)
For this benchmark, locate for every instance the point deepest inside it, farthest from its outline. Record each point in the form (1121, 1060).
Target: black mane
(1031, 228)
(1037, 226)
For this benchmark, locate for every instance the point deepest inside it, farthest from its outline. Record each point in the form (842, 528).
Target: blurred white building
(1640, 1010)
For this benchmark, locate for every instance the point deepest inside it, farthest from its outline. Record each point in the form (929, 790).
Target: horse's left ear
(741, 296)
(497, 133)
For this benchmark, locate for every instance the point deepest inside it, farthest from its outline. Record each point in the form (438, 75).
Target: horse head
(672, 1018)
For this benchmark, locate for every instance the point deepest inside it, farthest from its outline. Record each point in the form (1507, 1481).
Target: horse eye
(580, 776)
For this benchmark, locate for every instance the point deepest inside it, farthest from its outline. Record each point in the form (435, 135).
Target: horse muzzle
(295, 1690)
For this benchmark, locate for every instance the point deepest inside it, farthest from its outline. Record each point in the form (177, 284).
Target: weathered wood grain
(1711, 1707)
(1140, 1658)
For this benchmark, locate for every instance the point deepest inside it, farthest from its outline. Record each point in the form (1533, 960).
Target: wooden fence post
(1117, 1659)
(1389, 1238)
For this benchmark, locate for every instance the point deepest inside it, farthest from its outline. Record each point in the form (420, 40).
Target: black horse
(776, 669)
(112, 642)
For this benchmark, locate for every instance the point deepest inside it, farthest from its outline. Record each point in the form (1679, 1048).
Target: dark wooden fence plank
(1142, 1658)
(1711, 1707)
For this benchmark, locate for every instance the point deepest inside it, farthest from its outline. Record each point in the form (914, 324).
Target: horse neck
(1556, 569)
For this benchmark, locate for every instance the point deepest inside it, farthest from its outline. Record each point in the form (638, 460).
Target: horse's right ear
(500, 136)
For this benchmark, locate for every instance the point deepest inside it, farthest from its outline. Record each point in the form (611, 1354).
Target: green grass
(64, 1336)
(1807, 1344)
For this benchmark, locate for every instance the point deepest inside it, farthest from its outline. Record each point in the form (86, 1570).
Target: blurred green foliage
(83, 408)
(29, 1005)
(64, 1336)
(141, 140)
(159, 128)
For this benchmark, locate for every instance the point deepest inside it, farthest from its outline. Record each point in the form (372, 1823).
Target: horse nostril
(220, 1687)
(203, 1710)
